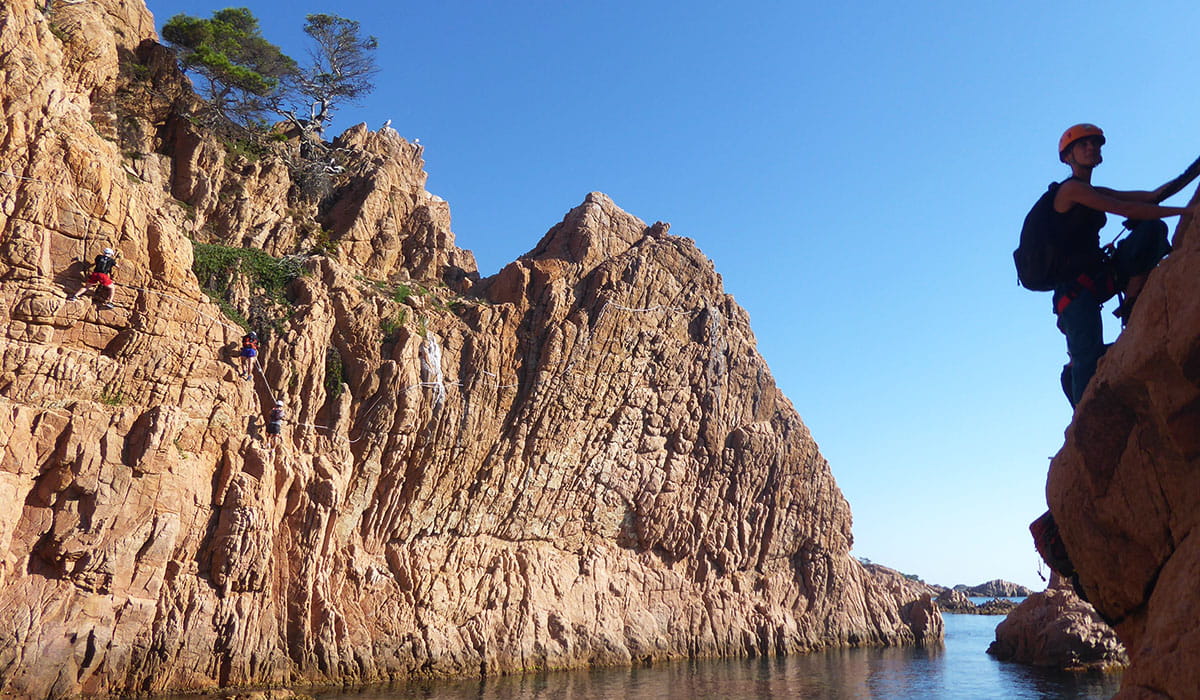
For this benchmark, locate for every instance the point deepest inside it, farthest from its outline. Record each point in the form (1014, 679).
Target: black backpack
(104, 264)
(1039, 257)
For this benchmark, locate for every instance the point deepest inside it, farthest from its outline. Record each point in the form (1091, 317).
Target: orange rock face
(581, 460)
(1125, 489)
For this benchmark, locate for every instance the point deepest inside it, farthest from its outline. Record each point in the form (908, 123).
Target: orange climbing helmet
(1075, 133)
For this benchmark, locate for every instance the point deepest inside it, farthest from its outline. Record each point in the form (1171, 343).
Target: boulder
(1057, 629)
(918, 609)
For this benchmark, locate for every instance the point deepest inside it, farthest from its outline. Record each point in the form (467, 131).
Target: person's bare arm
(1178, 183)
(1078, 192)
(1130, 195)
(1158, 195)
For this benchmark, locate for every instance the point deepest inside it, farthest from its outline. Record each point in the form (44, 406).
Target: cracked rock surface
(581, 460)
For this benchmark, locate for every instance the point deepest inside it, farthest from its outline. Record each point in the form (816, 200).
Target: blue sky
(858, 172)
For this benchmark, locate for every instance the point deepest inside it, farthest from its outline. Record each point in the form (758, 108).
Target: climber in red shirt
(101, 278)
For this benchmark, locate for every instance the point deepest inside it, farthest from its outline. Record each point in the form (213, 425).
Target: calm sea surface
(959, 671)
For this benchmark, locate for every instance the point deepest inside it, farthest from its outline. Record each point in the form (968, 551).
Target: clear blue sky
(858, 172)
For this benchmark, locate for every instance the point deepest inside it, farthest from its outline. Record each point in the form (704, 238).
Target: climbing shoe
(1124, 309)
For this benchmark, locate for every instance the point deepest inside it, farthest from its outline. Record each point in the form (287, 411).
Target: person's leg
(1064, 379)
(1082, 325)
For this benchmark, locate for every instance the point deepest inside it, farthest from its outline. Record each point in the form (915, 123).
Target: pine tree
(244, 74)
(342, 68)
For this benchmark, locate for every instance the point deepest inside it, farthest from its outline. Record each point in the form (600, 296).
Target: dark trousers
(1136, 254)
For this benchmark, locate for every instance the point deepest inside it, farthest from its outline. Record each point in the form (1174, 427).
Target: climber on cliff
(275, 424)
(1086, 275)
(101, 278)
(248, 354)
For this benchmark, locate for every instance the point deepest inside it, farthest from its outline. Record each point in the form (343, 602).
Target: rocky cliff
(1056, 629)
(1125, 488)
(581, 460)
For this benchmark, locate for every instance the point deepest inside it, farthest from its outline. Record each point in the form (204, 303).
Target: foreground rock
(1057, 629)
(1125, 488)
(582, 461)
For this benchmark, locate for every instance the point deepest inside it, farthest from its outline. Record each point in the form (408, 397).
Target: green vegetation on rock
(335, 373)
(217, 266)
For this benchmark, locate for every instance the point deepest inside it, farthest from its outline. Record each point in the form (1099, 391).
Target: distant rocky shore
(996, 588)
(1054, 628)
(958, 599)
(955, 601)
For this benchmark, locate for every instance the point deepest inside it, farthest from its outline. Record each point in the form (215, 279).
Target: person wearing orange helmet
(1092, 274)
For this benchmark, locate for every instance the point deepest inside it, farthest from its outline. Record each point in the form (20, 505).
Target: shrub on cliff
(218, 266)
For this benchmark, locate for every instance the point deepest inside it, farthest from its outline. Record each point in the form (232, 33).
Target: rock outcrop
(1057, 629)
(996, 588)
(1125, 488)
(580, 461)
(916, 598)
(996, 606)
(955, 601)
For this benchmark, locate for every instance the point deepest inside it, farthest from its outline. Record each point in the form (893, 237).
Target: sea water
(959, 670)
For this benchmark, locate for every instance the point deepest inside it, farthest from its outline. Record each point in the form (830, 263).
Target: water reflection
(899, 674)
(956, 671)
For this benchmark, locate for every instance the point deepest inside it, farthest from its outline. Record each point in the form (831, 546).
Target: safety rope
(257, 366)
(565, 372)
(656, 307)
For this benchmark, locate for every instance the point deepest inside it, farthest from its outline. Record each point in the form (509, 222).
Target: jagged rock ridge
(581, 460)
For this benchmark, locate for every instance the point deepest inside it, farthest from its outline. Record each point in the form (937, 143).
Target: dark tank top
(1079, 228)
